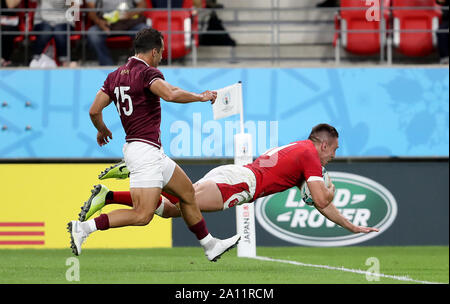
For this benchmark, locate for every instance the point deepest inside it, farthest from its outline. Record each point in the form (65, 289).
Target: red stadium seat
(181, 22)
(365, 43)
(119, 42)
(418, 43)
(25, 20)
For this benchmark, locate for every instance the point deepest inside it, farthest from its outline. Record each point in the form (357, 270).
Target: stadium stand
(281, 32)
(25, 20)
(424, 20)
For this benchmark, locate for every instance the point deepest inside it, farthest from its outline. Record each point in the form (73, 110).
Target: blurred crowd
(52, 23)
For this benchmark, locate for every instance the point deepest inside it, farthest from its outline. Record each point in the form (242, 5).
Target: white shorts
(149, 167)
(236, 183)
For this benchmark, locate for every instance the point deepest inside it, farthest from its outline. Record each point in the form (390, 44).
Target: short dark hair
(147, 39)
(323, 132)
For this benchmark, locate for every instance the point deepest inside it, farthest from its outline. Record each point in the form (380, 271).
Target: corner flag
(228, 101)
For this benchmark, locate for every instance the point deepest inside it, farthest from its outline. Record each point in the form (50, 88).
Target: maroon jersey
(285, 167)
(139, 109)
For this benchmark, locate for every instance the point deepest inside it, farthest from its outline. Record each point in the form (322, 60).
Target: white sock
(88, 226)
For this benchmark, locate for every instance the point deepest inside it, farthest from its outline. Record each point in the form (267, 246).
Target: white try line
(358, 271)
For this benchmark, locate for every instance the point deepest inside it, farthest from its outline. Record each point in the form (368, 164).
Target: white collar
(140, 60)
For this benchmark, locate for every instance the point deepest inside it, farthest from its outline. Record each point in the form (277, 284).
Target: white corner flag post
(229, 102)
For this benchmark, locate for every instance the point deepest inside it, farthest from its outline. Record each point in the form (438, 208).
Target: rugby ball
(304, 191)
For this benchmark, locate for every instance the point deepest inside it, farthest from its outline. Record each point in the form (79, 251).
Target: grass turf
(188, 265)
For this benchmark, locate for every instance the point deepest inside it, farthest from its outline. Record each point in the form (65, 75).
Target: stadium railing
(190, 35)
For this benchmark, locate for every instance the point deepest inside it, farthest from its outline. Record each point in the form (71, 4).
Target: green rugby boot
(94, 203)
(118, 171)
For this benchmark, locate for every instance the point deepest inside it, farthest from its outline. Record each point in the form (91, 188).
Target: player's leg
(208, 196)
(145, 201)
(144, 204)
(167, 209)
(119, 197)
(145, 163)
(181, 186)
(146, 181)
(100, 197)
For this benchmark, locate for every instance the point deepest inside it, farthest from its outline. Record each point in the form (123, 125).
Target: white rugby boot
(214, 248)
(77, 236)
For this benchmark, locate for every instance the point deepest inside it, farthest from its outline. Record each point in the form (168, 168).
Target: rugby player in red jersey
(276, 170)
(135, 89)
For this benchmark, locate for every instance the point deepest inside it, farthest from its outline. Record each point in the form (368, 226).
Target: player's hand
(103, 24)
(209, 95)
(103, 137)
(361, 229)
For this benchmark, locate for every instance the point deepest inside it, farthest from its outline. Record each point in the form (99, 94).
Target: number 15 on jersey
(123, 98)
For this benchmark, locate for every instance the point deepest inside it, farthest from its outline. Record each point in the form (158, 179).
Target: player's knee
(144, 218)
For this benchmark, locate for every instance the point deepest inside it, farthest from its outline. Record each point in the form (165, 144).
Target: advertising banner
(406, 199)
(38, 200)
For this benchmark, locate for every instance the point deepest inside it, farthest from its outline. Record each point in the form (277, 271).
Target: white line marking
(358, 271)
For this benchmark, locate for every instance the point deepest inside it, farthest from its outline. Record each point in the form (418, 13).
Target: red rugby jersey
(285, 167)
(138, 107)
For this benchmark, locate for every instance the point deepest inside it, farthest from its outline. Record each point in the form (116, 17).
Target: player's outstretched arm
(331, 213)
(101, 101)
(322, 196)
(171, 93)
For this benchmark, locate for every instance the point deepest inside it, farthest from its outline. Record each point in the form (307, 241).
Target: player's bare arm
(331, 213)
(321, 195)
(172, 93)
(101, 101)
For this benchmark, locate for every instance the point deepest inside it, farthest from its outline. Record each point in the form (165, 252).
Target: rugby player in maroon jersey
(135, 88)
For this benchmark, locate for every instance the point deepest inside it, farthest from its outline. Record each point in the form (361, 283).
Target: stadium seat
(415, 43)
(364, 43)
(182, 23)
(25, 20)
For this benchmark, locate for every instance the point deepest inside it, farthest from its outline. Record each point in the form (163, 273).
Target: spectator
(443, 37)
(50, 16)
(112, 18)
(9, 22)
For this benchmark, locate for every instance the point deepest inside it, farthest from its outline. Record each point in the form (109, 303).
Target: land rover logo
(362, 201)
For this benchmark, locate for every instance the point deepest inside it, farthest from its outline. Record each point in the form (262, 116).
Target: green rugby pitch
(287, 265)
